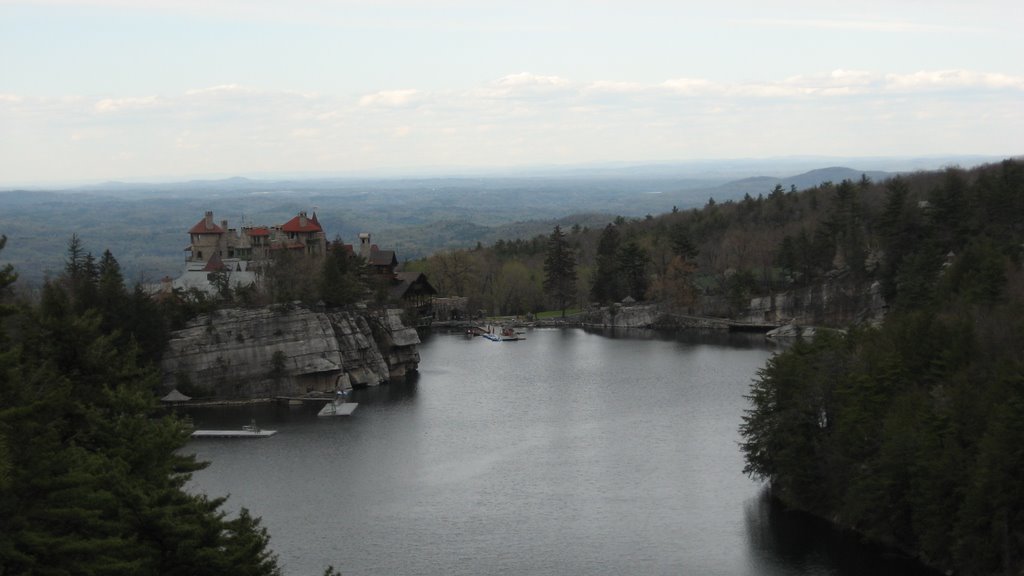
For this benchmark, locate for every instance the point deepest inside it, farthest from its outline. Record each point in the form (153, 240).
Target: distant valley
(145, 224)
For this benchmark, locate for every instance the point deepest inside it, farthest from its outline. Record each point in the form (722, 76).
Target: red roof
(258, 231)
(202, 228)
(294, 225)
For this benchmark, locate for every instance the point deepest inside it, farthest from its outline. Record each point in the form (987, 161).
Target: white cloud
(220, 90)
(516, 118)
(856, 76)
(527, 79)
(692, 86)
(613, 87)
(952, 79)
(524, 85)
(111, 105)
(391, 98)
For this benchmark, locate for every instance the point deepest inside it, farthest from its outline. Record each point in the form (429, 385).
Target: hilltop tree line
(912, 432)
(714, 259)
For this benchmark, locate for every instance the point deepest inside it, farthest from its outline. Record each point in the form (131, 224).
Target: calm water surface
(567, 453)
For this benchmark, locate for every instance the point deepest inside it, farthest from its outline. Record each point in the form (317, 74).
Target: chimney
(302, 219)
(209, 219)
(224, 225)
(364, 245)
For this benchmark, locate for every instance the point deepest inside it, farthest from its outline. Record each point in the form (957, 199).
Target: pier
(247, 431)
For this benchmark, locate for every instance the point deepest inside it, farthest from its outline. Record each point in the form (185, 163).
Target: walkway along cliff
(288, 350)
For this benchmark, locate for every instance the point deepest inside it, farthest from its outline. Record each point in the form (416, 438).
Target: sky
(94, 90)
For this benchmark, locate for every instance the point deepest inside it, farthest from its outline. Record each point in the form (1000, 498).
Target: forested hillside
(913, 432)
(898, 232)
(91, 478)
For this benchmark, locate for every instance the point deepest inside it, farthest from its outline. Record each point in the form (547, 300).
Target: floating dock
(245, 432)
(338, 409)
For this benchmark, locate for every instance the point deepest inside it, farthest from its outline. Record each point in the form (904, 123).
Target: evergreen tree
(632, 264)
(682, 243)
(91, 477)
(560, 270)
(111, 295)
(341, 281)
(7, 278)
(607, 282)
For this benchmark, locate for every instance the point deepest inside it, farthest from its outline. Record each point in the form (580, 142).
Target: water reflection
(797, 543)
(569, 452)
(741, 340)
(393, 392)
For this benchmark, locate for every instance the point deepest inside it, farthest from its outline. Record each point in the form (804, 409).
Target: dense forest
(717, 257)
(911, 432)
(91, 477)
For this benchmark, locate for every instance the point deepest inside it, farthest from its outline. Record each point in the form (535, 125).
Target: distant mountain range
(145, 224)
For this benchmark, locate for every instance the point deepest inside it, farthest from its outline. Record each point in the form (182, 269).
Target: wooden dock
(338, 409)
(245, 432)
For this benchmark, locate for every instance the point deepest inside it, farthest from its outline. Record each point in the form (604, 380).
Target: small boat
(506, 334)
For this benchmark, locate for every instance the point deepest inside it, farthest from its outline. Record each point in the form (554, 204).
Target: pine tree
(607, 284)
(341, 281)
(91, 478)
(632, 264)
(560, 269)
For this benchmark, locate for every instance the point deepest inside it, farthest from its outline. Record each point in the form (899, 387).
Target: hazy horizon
(704, 168)
(97, 90)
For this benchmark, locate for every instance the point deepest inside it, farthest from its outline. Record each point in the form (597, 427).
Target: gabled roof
(382, 258)
(214, 264)
(406, 280)
(202, 228)
(175, 396)
(295, 225)
(261, 231)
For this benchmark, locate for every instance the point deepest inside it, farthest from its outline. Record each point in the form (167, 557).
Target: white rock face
(792, 331)
(827, 304)
(640, 316)
(289, 351)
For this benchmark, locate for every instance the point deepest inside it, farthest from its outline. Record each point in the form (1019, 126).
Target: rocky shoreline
(288, 350)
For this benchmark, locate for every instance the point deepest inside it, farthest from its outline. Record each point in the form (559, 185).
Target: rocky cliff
(288, 351)
(831, 304)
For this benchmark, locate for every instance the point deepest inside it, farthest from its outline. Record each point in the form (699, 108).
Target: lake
(570, 452)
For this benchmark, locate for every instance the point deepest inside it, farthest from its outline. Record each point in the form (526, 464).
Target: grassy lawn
(556, 313)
